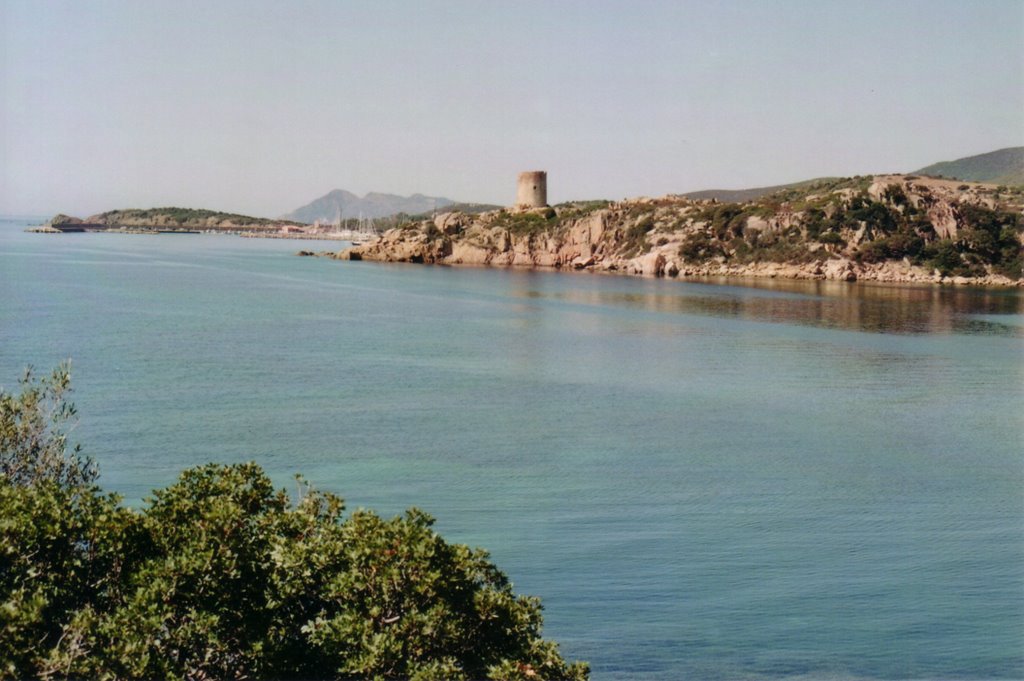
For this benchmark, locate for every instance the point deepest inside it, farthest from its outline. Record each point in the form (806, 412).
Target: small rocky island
(892, 228)
(146, 220)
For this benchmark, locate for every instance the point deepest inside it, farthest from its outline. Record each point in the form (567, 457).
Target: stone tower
(532, 191)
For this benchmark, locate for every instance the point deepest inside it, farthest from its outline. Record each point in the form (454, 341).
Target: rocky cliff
(885, 228)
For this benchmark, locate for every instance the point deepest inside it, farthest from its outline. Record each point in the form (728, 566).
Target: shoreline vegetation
(193, 221)
(221, 576)
(889, 228)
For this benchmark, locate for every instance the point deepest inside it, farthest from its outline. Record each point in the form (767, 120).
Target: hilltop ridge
(1003, 166)
(752, 194)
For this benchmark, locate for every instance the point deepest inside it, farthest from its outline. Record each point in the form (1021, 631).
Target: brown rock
(451, 223)
(652, 265)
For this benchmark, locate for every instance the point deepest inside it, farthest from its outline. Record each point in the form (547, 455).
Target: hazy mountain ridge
(1003, 166)
(341, 204)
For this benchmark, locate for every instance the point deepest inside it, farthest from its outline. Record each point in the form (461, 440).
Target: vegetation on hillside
(839, 217)
(965, 230)
(221, 576)
(181, 217)
(462, 207)
(1004, 166)
(867, 230)
(743, 195)
(541, 220)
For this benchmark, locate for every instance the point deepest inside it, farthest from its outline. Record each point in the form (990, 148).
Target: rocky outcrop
(61, 219)
(677, 237)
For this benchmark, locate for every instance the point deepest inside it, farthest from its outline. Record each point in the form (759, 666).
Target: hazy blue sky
(260, 107)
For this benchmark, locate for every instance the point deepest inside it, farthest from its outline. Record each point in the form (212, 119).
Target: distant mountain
(341, 204)
(1005, 166)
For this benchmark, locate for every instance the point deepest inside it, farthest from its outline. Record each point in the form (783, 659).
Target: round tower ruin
(532, 190)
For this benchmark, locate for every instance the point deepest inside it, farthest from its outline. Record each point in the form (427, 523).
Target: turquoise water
(700, 481)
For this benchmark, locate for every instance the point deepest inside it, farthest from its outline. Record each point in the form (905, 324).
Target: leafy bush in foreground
(221, 576)
(33, 445)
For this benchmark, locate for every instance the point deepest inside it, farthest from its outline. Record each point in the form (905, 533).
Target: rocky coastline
(676, 237)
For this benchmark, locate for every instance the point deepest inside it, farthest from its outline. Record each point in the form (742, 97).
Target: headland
(886, 228)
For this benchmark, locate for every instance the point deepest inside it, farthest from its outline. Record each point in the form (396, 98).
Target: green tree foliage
(529, 222)
(988, 238)
(222, 576)
(639, 230)
(944, 256)
(725, 220)
(879, 219)
(816, 223)
(62, 550)
(699, 246)
(33, 444)
(995, 237)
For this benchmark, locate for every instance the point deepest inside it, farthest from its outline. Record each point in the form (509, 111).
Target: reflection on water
(856, 307)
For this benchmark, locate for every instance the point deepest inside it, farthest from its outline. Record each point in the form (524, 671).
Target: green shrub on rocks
(522, 224)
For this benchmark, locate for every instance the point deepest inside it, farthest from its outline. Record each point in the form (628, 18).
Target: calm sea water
(700, 481)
